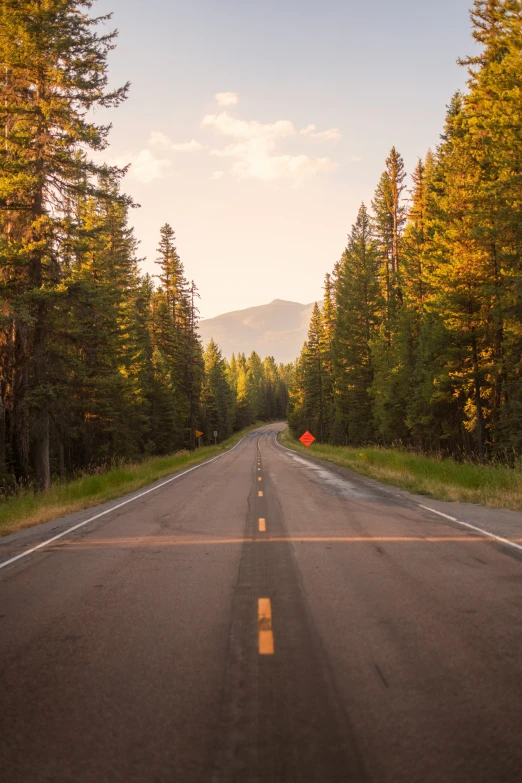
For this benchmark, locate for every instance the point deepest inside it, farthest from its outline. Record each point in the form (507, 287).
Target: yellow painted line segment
(264, 622)
(262, 525)
(260, 493)
(259, 478)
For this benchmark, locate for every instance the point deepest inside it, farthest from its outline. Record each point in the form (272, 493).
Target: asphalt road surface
(263, 618)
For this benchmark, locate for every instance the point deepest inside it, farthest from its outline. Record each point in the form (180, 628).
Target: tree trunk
(41, 451)
(20, 426)
(2, 433)
(62, 459)
(478, 400)
(41, 428)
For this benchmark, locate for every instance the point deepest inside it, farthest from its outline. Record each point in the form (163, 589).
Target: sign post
(307, 438)
(198, 436)
(215, 437)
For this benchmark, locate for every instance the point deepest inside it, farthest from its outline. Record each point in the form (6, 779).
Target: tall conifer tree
(359, 305)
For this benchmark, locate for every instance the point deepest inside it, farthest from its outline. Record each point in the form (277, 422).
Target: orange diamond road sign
(307, 438)
(198, 434)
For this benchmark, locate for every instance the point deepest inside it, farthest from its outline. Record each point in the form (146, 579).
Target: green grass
(469, 482)
(29, 508)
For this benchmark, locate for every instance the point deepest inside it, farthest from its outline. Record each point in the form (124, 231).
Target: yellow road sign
(198, 434)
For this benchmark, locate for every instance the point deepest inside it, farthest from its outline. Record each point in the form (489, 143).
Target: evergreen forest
(419, 340)
(98, 363)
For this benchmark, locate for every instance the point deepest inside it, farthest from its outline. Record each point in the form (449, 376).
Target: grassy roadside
(443, 479)
(29, 508)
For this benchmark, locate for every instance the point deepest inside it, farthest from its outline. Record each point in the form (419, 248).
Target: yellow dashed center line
(262, 525)
(260, 493)
(259, 478)
(264, 620)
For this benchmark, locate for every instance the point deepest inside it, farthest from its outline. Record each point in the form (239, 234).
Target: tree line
(97, 362)
(419, 339)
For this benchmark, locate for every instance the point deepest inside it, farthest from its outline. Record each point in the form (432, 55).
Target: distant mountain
(278, 329)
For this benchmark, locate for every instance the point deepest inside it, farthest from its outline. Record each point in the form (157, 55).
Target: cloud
(356, 158)
(227, 98)
(297, 167)
(254, 145)
(252, 149)
(145, 167)
(228, 125)
(254, 161)
(332, 134)
(158, 139)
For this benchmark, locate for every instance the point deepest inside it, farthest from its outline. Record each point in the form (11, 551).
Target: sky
(257, 127)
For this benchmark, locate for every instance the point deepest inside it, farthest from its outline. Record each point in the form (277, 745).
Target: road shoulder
(503, 523)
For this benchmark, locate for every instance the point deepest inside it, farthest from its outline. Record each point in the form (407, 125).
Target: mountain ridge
(276, 329)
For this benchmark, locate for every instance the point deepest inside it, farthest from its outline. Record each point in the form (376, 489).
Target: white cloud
(144, 166)
(254, 147)
(272, 167)
(248, 129)
(158, 139)
(227, 98)
(356, 158)
(332, 134)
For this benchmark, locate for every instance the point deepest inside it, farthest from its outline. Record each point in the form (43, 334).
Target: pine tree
(328, 314)
(255, 385)
(313, 374)
(419, 334)
(297, 420)
(244, 410)
(193, 365)
(172, 276)
(418, 236)
(389, 219)
(390, 345)
(359, 305)
(216, 396)
(184, 351)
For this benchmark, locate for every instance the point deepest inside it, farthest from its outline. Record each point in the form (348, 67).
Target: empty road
(262, 618)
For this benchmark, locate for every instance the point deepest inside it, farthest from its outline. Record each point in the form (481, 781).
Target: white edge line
(292, 451)
(114, 508)
(499, 539)
(487, 533)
